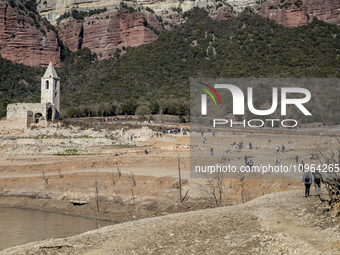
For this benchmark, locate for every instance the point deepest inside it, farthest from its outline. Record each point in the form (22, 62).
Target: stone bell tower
(50, 90)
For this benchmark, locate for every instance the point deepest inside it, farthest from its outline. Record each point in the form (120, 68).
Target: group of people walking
(307, 180)
(238, 146)
(282, 149)
(277, 161)
(249, 163)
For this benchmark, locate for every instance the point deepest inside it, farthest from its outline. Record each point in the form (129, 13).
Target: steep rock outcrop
(292, 13)
(71, 34)
(52, 9)
(22, 42)
(223, 13)
(106, 32)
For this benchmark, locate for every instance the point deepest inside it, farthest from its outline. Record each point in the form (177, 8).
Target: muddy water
(20, 226)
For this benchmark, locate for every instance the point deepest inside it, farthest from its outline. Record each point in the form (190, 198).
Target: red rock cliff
(106, 32)
(22, 42)
(300, 12)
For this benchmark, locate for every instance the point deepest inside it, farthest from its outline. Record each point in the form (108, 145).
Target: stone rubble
(73, 140)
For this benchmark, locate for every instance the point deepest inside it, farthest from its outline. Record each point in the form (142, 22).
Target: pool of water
(20, 226)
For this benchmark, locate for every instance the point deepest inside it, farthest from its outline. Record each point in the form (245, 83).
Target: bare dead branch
(331, 178)
(97, 199)
(60, 174)
(44, 177)
(185, 196)
(214, 189)
(134, 203)
(132, 180)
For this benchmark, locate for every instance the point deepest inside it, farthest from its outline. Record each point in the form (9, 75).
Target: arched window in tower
(47, 84)
(55, 85)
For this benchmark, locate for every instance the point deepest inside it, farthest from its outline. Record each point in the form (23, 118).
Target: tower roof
(50, 72)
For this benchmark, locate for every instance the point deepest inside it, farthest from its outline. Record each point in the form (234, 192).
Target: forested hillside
(157, 74)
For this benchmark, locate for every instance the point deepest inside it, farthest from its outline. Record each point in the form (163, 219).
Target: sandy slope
(279, 223)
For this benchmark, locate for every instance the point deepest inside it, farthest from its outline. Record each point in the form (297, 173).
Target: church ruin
(21, 115)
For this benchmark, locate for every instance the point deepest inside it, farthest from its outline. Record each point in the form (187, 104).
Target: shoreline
(44, 205)
(270, 224)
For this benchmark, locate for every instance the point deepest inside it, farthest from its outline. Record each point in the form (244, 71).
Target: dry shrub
(330, 157)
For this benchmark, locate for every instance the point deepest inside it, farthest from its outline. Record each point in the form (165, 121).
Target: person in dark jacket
(307, 180)
(317, 181)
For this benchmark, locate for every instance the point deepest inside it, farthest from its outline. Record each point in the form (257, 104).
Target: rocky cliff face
(300, 12)
(52, 9)
(222, 13)
(22, 42)
(108, 31)
(25, 39)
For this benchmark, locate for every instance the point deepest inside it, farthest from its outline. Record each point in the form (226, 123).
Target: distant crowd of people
(171, 131)
(308, 178)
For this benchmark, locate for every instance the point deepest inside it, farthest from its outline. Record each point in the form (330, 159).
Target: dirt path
(279, 223)
(143, 171)
(297, 224)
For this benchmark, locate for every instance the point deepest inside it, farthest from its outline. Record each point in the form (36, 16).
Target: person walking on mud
(307, 180)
